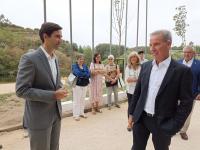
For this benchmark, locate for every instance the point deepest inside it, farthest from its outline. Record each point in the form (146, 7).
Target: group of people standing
(93, 77)
(160, 92)
(38, 82)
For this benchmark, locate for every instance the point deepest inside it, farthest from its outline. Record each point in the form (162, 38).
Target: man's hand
(130, 120)
(60, 94)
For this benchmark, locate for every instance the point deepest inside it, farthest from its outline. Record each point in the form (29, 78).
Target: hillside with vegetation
(15, 41)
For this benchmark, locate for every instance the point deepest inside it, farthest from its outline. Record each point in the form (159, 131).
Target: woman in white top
(131, 76)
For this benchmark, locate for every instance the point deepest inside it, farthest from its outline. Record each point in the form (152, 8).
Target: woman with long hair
(96, 86)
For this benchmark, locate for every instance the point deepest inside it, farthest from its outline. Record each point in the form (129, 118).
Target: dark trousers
(129, 96)
(142, 130)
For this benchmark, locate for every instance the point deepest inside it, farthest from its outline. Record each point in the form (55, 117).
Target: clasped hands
(131, 79)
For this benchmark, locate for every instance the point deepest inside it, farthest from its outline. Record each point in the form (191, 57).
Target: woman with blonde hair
(131, 76)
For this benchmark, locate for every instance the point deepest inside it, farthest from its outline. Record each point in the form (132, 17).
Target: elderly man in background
(190, 61)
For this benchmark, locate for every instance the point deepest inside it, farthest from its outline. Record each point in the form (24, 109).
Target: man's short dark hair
(140, 52)
(48, 28)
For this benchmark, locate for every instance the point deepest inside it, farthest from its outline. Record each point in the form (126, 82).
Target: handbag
(108, 83)
(72, 79)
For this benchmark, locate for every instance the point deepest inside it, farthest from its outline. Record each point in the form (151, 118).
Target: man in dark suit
(190, 61)
(155, 107)
(38, 82)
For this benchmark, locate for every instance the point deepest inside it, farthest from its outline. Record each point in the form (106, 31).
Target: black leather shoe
(129, 129)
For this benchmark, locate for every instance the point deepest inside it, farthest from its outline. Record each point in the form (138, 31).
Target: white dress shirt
(189, 63)
(52, 63)
(143, 61)
(156, 77)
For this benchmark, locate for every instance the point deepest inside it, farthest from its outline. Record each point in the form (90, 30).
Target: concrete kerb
(67, 109)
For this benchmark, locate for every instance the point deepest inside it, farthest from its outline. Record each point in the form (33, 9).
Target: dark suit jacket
(196, 76)
(176, 85)
(35, 84)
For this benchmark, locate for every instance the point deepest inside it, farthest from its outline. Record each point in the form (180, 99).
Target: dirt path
(106, 131)
(11, 111)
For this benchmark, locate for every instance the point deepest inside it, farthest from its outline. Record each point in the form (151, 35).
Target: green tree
(104, 50)
(87, 52)
(180, 22)
(4, 21)
(80, 49)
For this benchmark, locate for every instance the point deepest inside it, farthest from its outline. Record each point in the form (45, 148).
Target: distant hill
(16, 40)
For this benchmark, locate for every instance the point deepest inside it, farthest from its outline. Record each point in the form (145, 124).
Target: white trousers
(79, 93)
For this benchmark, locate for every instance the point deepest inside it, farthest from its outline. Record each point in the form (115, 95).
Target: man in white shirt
(190, 61)
(161, 84)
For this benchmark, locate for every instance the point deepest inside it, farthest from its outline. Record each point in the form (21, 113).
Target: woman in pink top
(96, 86)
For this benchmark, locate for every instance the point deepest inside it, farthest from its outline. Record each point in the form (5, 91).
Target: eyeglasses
(110, 59)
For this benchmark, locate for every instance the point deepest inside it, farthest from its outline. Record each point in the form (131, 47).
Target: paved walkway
(106, 131)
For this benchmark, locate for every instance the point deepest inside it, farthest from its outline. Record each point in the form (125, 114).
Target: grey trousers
(46, 139)
(109, 94)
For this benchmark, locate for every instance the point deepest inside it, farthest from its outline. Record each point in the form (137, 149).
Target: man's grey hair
(167, 36)
(188, 47)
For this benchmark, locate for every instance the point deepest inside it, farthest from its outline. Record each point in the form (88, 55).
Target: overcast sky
(29, 13)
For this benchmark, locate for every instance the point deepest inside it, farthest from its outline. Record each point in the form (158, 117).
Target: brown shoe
(93, 111)
(184, 136)
(98, 110)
